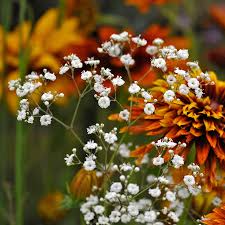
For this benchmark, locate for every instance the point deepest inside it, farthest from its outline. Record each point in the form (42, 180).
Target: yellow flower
(49, 207)
(46, 44)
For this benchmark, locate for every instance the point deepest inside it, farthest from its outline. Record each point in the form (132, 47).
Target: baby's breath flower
(124, 115)
(189, 180)
(151, 50)
(104, 102)
(159, 63)
(134, 88)
(45, 120)
(86, 75)
(169, 96)
(149, 109)
(127, 60)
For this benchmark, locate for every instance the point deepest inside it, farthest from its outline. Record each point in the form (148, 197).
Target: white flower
(159, 63)
(124, 151)
(35, 111)
(183, 54)
(103, 220)
(118, 81)
(158, 161)
(193, 83)
(146, 95)
(139, 41)
(155, 192)
(30, 119)
(171, 79)
(99, 88)
(45, 120)
(180, 72)
(163, 180)
(114, 50)
(114, 217)
(169, 96)
(111, 196)
(110, 137)
(133, 188)
(69, 159)
(89, 164)
(150, 216)
(193, 65)
(134, 88)
(92, 62)
(133, 210)
(125, 218)
(12, 84)
(183, 89)
(127, 60)
(189, 180)
(50, 76)
(21, 115)
(151, 50)
(173, 216)
(89, 216)
(116, 187)
(199, 92)
(149, 109)
(217, 201)
(151, 179)
(90, 145)
(183, 193)
(76, 63)
(124, 115)
(86, 75)
(99, 209)
(170, 196)
(64, 69)
(158, 41)
(177, 161)
(104, 102)
(47, 96)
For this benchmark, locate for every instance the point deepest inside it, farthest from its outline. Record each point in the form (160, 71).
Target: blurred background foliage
(36, 34)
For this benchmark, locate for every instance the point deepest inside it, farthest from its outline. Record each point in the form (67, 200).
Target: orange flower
(217, 13)
(144, 5)
(49, 207)
(217, 217)
(83, 182)
(190, 120)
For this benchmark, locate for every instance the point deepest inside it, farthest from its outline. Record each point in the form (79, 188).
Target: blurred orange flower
(47, 42)
(49, 207)
(144, 5)
(217, 12)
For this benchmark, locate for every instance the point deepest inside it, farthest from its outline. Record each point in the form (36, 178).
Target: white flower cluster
(29, 108)
(127, 203)
(72, 62)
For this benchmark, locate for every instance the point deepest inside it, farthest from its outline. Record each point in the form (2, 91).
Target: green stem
(20, 139)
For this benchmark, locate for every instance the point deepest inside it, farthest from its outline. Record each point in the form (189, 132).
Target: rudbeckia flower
(217, 217)
(199, 121)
